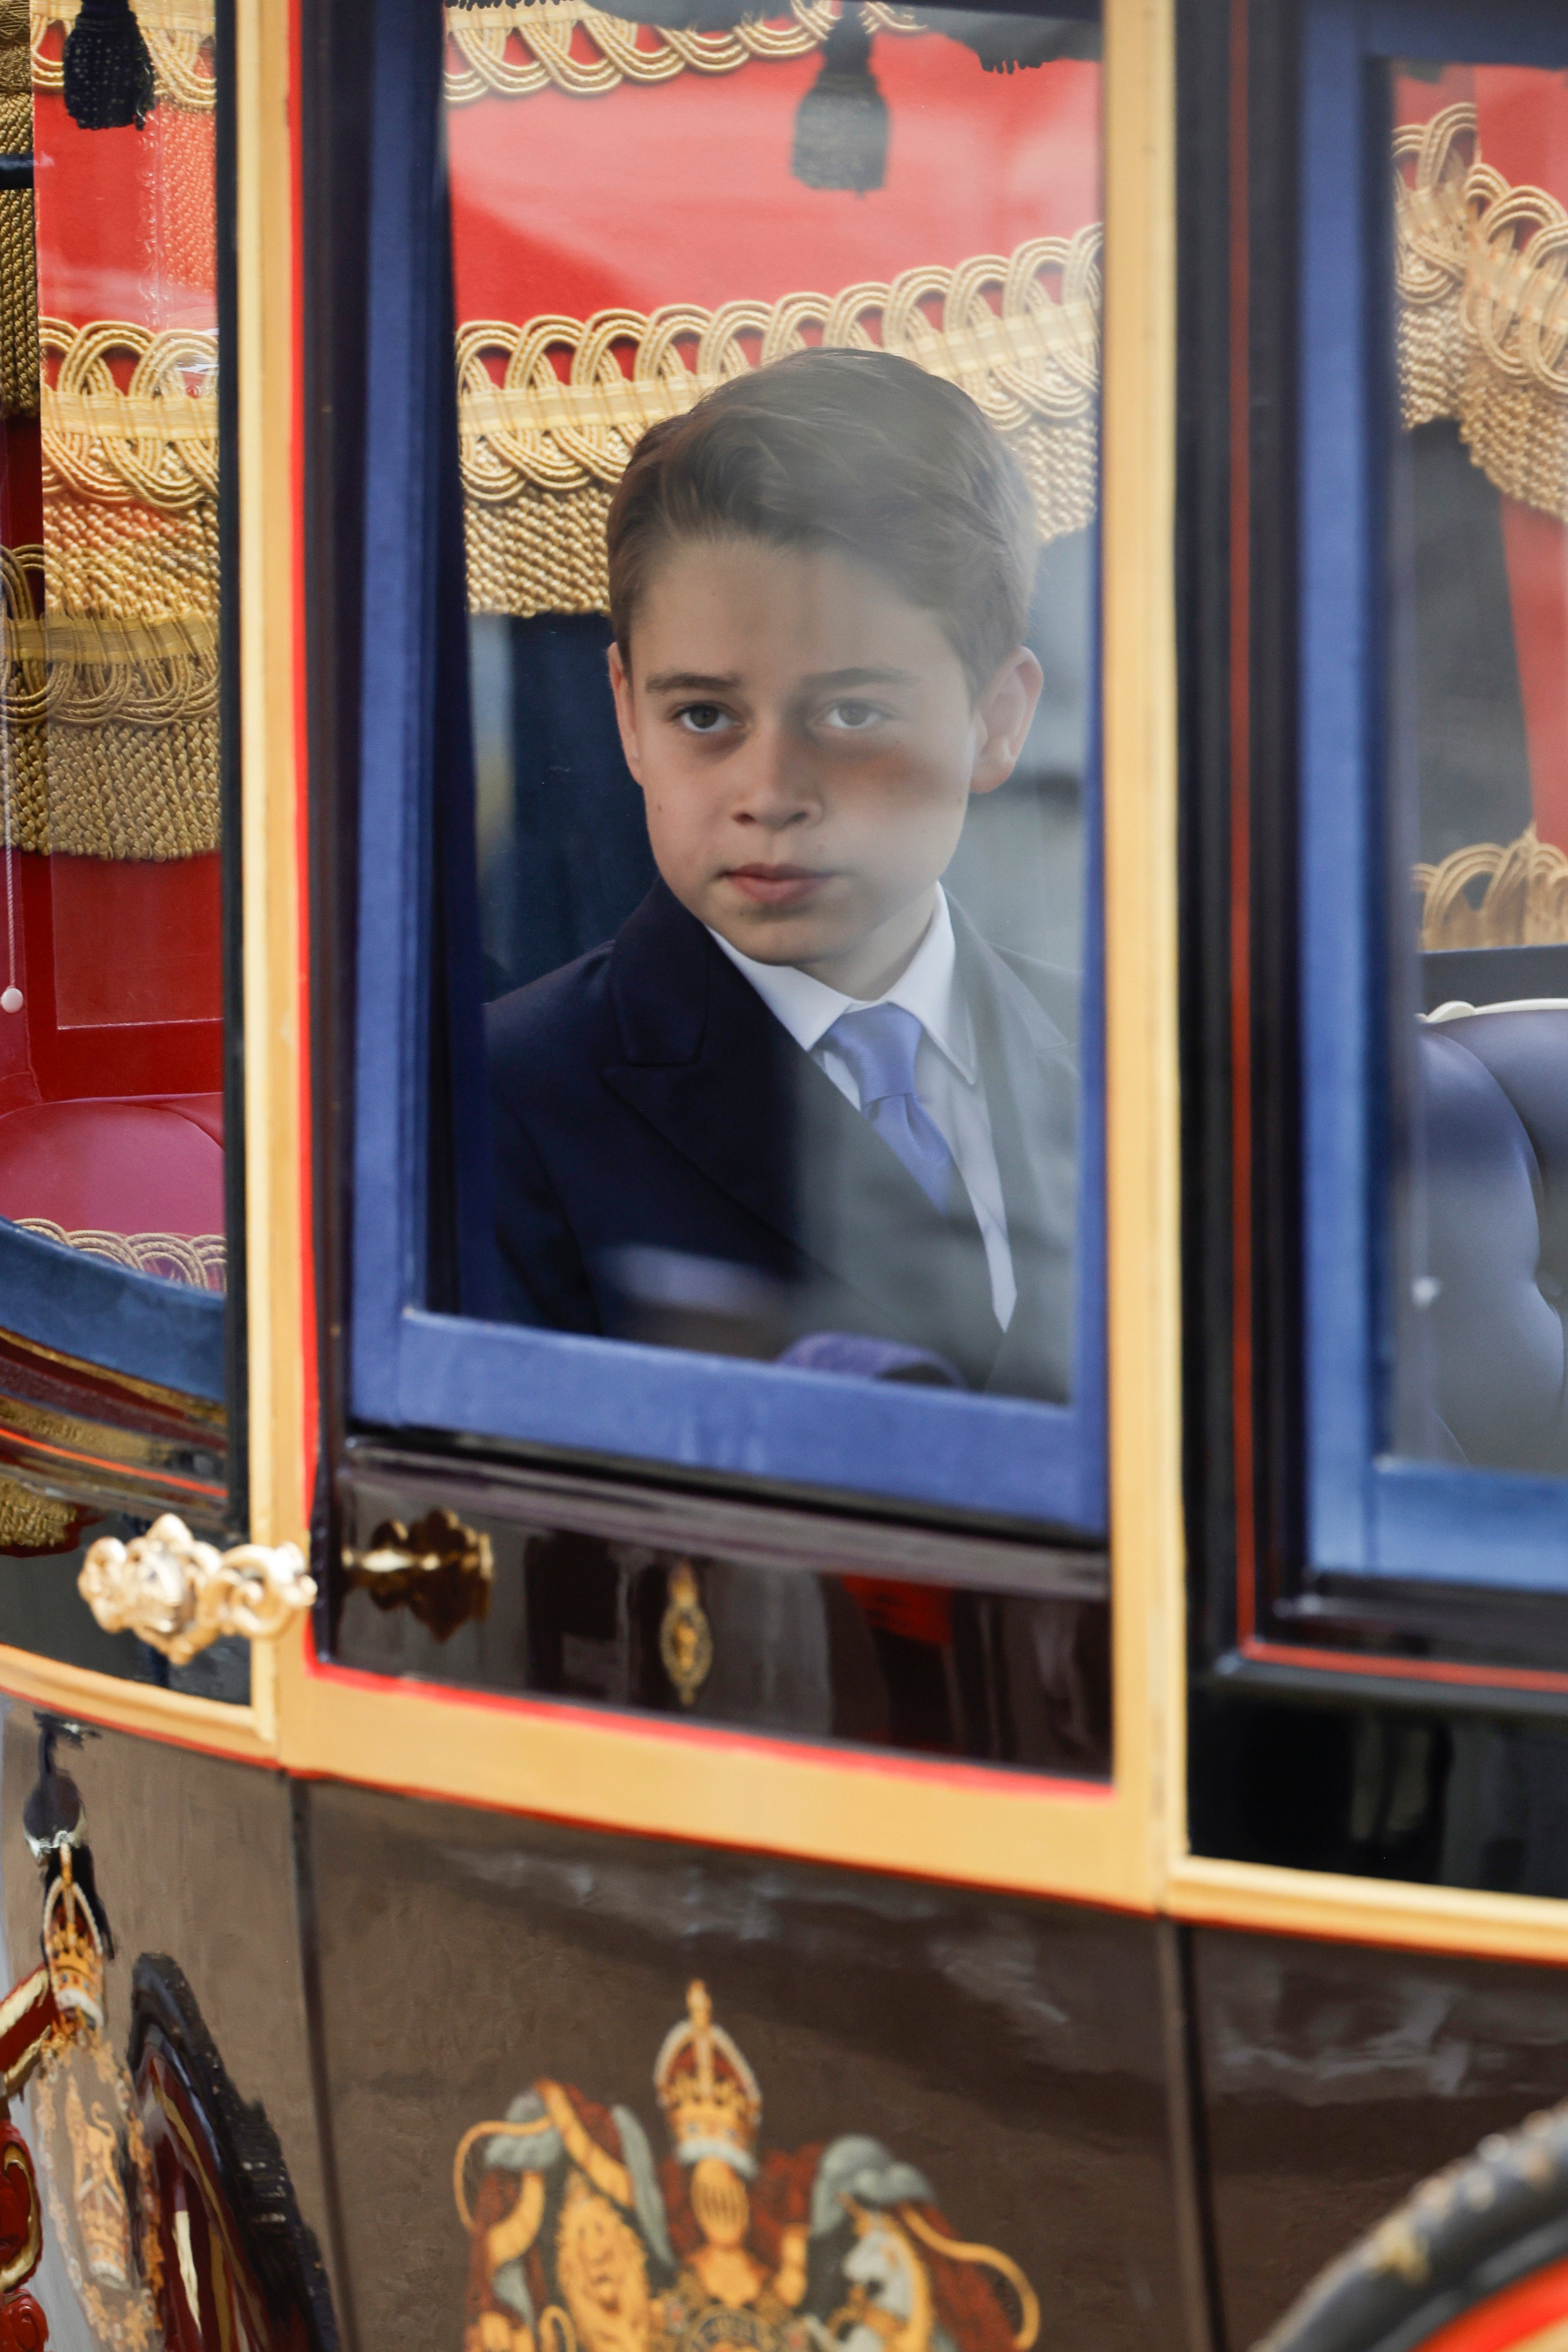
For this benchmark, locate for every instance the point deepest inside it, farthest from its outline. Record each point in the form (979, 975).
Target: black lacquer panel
(724, 1613)
(193, 1861)
(1008, 2052)
(1336, 2077)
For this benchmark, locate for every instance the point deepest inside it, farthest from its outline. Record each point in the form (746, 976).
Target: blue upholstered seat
(1493, 1138)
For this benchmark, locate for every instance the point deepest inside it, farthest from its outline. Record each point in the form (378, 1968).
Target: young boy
(798, 1099)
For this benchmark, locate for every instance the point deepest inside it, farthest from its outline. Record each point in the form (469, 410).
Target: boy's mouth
(777, 886)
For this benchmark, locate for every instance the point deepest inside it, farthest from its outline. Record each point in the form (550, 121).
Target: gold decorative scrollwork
(1481, 271)
(156, 441)
(685, 1636)
(197, 1259)
(180, 1594)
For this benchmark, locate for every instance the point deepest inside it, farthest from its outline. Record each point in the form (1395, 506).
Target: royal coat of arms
(581, 2243)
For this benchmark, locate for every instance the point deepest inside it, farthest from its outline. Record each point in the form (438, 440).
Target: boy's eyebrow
(690, 681)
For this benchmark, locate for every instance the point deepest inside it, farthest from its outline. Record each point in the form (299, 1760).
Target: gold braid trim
(197, 1259)
(541, 455)
(156, 443)
(512, 49)
(109, 729)
(1525, 902)
(18, 258)
(1481, 271)
(179, 35)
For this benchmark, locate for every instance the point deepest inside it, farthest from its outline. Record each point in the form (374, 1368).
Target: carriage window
(1479, 772)
(110, 963)
(777, 394)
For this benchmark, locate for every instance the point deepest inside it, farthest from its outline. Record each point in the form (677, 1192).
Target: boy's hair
(858, 451)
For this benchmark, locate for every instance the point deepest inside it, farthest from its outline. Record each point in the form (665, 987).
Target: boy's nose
(779, 783)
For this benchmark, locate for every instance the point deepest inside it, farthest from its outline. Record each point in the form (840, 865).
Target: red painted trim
(1411, 1670)
(50, 1453)
(1509, 2322)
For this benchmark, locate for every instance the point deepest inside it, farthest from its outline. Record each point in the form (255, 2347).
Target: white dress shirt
(947, 1079)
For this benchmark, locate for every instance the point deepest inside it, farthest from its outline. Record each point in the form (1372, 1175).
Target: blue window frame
(1368, 1511)
(415, 1368)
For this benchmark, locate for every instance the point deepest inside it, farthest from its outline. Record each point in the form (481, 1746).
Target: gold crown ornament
(73, 1949)
(709, 2094)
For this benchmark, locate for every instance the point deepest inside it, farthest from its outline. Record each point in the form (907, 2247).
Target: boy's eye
(852, 718)
(702, 717)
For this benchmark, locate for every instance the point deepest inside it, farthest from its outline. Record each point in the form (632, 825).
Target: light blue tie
(879, 1042)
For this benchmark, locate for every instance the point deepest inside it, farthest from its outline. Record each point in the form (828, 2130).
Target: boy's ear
(621, 687)
(1006, 712)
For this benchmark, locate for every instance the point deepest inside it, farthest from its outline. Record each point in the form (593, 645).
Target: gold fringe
(541, 456)
(108, 730)
(512, 49)
(179, 35)
(196, 1259)
(1481, 271)
(18, 255)
(1525, 902)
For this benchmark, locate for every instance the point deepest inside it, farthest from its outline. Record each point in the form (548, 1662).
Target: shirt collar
(927, 987)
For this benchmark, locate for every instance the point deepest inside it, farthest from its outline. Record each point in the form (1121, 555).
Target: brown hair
(858, 451)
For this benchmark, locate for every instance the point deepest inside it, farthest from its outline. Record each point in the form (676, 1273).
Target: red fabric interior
(118, 1167)
(576, 205)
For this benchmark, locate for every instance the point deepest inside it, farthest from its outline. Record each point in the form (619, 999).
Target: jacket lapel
(1031, 1096)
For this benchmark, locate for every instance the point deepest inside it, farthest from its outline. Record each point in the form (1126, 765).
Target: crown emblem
(709, 2094)
(73, 1949)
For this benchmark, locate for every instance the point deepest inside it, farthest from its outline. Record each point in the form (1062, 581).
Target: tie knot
(879, 1042)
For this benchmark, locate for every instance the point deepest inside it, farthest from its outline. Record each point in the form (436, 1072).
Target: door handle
(178, 1594)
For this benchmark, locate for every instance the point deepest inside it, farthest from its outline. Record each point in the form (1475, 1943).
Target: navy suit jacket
(671, 1164)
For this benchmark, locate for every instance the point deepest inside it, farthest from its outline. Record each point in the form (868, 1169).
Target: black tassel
(108, 72)
(840, 130)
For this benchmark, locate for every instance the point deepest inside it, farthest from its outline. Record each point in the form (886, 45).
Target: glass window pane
(782, 737)
(111, 991)
(1480, 764)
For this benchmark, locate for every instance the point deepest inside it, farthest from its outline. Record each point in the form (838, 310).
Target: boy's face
(806, 743)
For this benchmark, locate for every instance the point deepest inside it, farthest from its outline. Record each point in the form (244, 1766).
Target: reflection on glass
(778, 383)
(1480, 764)
(110, 995)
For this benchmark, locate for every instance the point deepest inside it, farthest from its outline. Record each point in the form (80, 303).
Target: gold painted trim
(1143, 1122)
(83, 1696)
(277, 1232)
(1265, 1901)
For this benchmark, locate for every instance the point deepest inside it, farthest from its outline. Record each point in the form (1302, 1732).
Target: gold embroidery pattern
(518, 48)
(179, 35)
(540, 455)
(197, 1259)
(1481, 271)
(1523, 901)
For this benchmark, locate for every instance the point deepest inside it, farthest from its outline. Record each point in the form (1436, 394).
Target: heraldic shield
(582, 2243)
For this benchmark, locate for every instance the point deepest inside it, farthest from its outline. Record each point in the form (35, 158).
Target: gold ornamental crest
(581, 2243)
